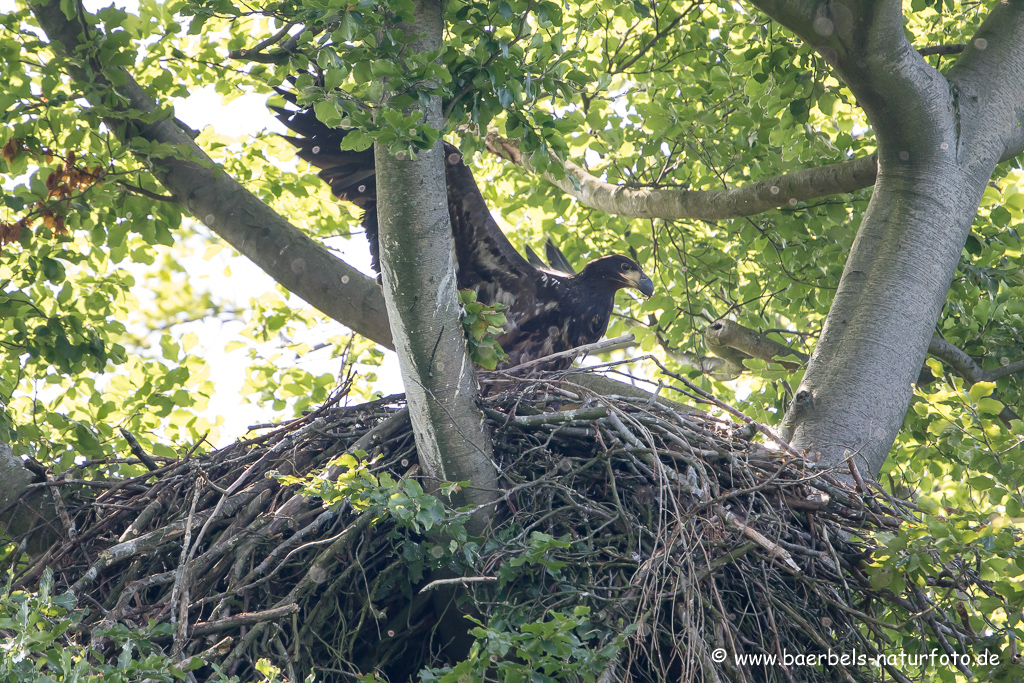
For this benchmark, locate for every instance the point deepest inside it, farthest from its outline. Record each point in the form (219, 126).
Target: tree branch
(245, 618)
(143, 192)
(954, 49)
(284, 252)
(603, 346)
(287, 49)
(734, 342)
(658, 36)
(967, 367)
(989, 76)
(254, 53)
(705, 205)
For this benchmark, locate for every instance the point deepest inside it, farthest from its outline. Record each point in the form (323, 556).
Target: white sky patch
(242, 116)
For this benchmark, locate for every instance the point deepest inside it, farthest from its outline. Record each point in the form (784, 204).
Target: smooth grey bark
(704, 205)
(285, 253)
(16, 480)
(729, 340)
(22, 510)
(939, 140)
(417, 258)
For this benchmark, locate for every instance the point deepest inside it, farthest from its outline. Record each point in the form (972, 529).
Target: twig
(252, 52)
(757, 537)
(462, 580)
(603, 346)
(954, 49)
(855, 473)
(137, 451)
(244, 619)
(180, 590)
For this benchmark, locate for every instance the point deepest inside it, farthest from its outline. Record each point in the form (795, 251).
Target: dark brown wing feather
(486, 260)
(349, 174)
(535, 260)
(557, 259)
(490, 265)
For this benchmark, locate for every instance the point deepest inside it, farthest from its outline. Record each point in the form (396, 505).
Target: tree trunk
(939, 140)
(418, 268)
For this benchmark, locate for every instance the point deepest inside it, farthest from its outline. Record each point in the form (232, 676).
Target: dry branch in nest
(682, 537)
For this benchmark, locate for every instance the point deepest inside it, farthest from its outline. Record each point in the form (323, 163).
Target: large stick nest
(686, 540)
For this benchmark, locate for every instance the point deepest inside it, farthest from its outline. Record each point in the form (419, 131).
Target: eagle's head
(617, 272)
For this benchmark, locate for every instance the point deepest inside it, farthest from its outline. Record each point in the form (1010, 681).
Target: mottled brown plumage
(550, 309)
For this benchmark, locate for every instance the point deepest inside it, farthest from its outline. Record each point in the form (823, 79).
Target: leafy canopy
(93, 300)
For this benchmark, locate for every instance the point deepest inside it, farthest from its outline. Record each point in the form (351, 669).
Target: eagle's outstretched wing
(550, 308)
(486, 261)
(349, 174)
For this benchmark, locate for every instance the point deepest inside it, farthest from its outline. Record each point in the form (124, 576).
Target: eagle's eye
(626, 267)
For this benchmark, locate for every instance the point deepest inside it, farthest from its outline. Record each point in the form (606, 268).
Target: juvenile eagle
(550, 309)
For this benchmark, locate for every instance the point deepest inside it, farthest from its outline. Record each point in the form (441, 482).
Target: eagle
(550, 307)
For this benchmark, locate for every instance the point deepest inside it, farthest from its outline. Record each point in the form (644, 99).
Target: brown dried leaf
(11, 149)
(53, 181)
(15, 233)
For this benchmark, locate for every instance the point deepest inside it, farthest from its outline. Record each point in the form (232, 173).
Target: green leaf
(980, 390)
(328, 113)
(990, 406)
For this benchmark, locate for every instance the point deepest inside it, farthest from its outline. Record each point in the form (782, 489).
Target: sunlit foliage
(662, 95)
